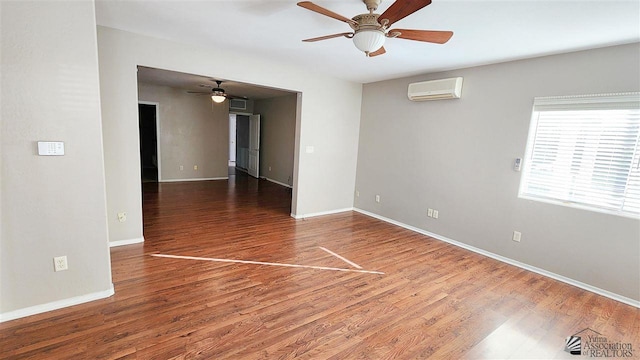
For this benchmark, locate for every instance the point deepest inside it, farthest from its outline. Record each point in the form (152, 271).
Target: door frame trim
(253, 118)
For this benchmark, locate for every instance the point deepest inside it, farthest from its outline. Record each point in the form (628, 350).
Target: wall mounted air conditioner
(435, 89)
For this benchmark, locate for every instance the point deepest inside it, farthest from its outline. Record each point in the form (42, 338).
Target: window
(584, 151)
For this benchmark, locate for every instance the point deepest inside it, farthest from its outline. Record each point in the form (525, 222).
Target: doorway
(148, 129)
(247, 137)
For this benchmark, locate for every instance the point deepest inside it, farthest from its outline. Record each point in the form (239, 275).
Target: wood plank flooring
(434, 300)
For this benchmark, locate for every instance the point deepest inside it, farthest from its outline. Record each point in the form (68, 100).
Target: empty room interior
(354, 179)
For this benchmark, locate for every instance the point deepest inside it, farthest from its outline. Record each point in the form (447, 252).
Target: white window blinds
(584, 151)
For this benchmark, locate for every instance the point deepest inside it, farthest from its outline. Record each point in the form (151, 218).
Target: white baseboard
(55, 305)
(564, 279)
(330, 212)
(277, 182)
(195, 179)
(126, 242)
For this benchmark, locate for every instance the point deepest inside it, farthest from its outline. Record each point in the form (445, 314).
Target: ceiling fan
(371, 29)
(218, 94)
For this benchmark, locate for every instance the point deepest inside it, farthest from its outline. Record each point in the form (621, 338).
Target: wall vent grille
(238, 104)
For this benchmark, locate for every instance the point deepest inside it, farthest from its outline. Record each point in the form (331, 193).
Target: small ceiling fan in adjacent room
(218, 94)
(371, 29)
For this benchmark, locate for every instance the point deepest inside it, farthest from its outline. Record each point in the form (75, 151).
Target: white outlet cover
(60, 263)
(517, 236)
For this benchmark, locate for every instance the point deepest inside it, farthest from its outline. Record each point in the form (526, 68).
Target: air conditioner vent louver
(238, 104)
(435, 89)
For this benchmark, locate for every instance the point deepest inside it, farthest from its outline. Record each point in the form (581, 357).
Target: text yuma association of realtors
(598, 346)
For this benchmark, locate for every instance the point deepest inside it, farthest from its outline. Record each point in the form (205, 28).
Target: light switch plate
(517, 164)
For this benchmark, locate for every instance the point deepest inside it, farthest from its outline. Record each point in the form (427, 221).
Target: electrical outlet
(181, 167)
(377, 198)
(516, 236)
(269, 168)
(122, 216)
(60, 263)
(195, 167)
(430, 212)
(435, 214)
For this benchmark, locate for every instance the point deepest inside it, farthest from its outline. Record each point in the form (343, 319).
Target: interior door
(232, 139)
(254, 146)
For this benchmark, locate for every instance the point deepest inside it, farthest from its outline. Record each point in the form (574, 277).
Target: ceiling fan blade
(402, 8)
(345, 34)
(320, 10)
(198, 92)
(378, 52)
(438, 37)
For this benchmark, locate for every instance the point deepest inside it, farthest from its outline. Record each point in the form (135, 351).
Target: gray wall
(277, 142)
(51, 205)
(457, 156)
(193, 131)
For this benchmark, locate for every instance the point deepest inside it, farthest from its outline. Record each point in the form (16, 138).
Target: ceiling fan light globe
(368, 40)
(217, 98)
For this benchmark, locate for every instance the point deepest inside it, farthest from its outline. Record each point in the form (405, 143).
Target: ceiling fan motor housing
(366, 21)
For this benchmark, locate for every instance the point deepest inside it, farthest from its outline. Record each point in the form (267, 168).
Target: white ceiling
(485, 31)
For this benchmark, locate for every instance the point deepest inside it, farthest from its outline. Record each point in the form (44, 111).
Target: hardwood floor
(433, 300)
